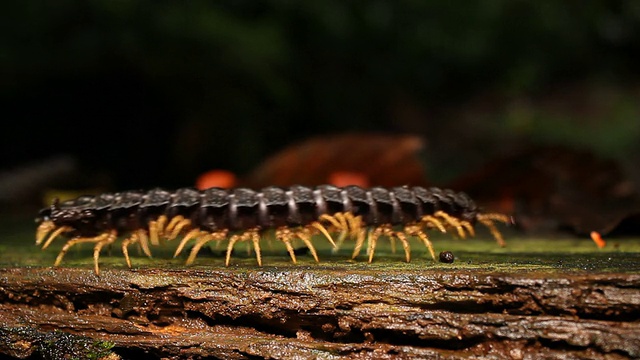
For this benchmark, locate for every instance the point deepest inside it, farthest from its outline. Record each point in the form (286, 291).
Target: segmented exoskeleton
(242, 214)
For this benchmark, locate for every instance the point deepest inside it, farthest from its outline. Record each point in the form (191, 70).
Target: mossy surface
(54, 345)
(557, 253)
(535, 291)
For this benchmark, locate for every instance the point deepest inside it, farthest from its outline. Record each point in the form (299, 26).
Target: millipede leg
(428, 219)
(55, 234)
(342, 219)
(78, 240)
(178, 227)
(284, 234)
(125, 247)
(341, 239)
(452, 221)
(190, 235)
(156, 229)
(355, 224)
(405, 244)
(336, 225)
(332, 220)
(252, 234)
(339, 224)
(43, 230)
(359, 242)
(139, 236)
(488, 219)
(174, 221)
(373, 240)
(200, 242)
(467, 225)
(153, 232)
(144, 244)
(232, 241)
(203, 238)
(323, 230)
(306, 238)
(292, 253)
(255, 238)
(415, 230)
(110, 238)
(344, 225)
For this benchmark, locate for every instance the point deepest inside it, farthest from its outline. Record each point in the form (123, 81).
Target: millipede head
(45, 213)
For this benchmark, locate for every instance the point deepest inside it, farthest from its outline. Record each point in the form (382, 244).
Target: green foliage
(274, 44)
(303, 67)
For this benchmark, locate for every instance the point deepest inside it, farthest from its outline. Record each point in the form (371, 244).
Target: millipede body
(242, 214)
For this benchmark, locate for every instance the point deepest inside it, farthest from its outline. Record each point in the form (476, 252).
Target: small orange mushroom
(595, 236)
(216, 178)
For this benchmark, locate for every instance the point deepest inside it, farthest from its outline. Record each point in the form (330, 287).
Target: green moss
(564, 253)
(56, 345)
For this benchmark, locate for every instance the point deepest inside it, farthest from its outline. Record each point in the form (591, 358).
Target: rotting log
(320, 311)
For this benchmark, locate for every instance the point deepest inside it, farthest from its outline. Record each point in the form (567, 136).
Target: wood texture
(348, 311)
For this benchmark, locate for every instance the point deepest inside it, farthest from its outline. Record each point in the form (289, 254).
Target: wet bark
(323, 312)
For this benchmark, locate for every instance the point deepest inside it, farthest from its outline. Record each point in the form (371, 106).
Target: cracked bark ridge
(318, 312)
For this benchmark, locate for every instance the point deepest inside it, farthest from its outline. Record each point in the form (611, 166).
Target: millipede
(242, 214)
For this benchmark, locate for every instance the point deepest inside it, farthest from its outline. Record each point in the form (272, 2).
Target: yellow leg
(341, 238)
(428, 220)
(203, 238)
(405, 244)
(284, 234)
(323, 230)
(374, 239)
(156, 229)
(416, 230)
(200, 242)
(178, 227)
(78, 240)
(139, 236)
(332, 220)
(232, 241)
(195, 233)
(306, 238)
(359, 242)
(488, 221)
(343, 227)
(154, 232)
(253, 235)
(452, 221)
(144, 242)
(467, 225)
(355, 224)
(174, 221)
(342, 220)
(255, 238)
(111, 237)
(125, 247)
(55, 234)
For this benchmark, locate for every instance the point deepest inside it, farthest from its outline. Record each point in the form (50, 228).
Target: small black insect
(447, 257)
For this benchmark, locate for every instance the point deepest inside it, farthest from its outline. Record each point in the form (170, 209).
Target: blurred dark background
(153, 93)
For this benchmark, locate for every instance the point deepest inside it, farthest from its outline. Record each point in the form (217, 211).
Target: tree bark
(323, 312)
